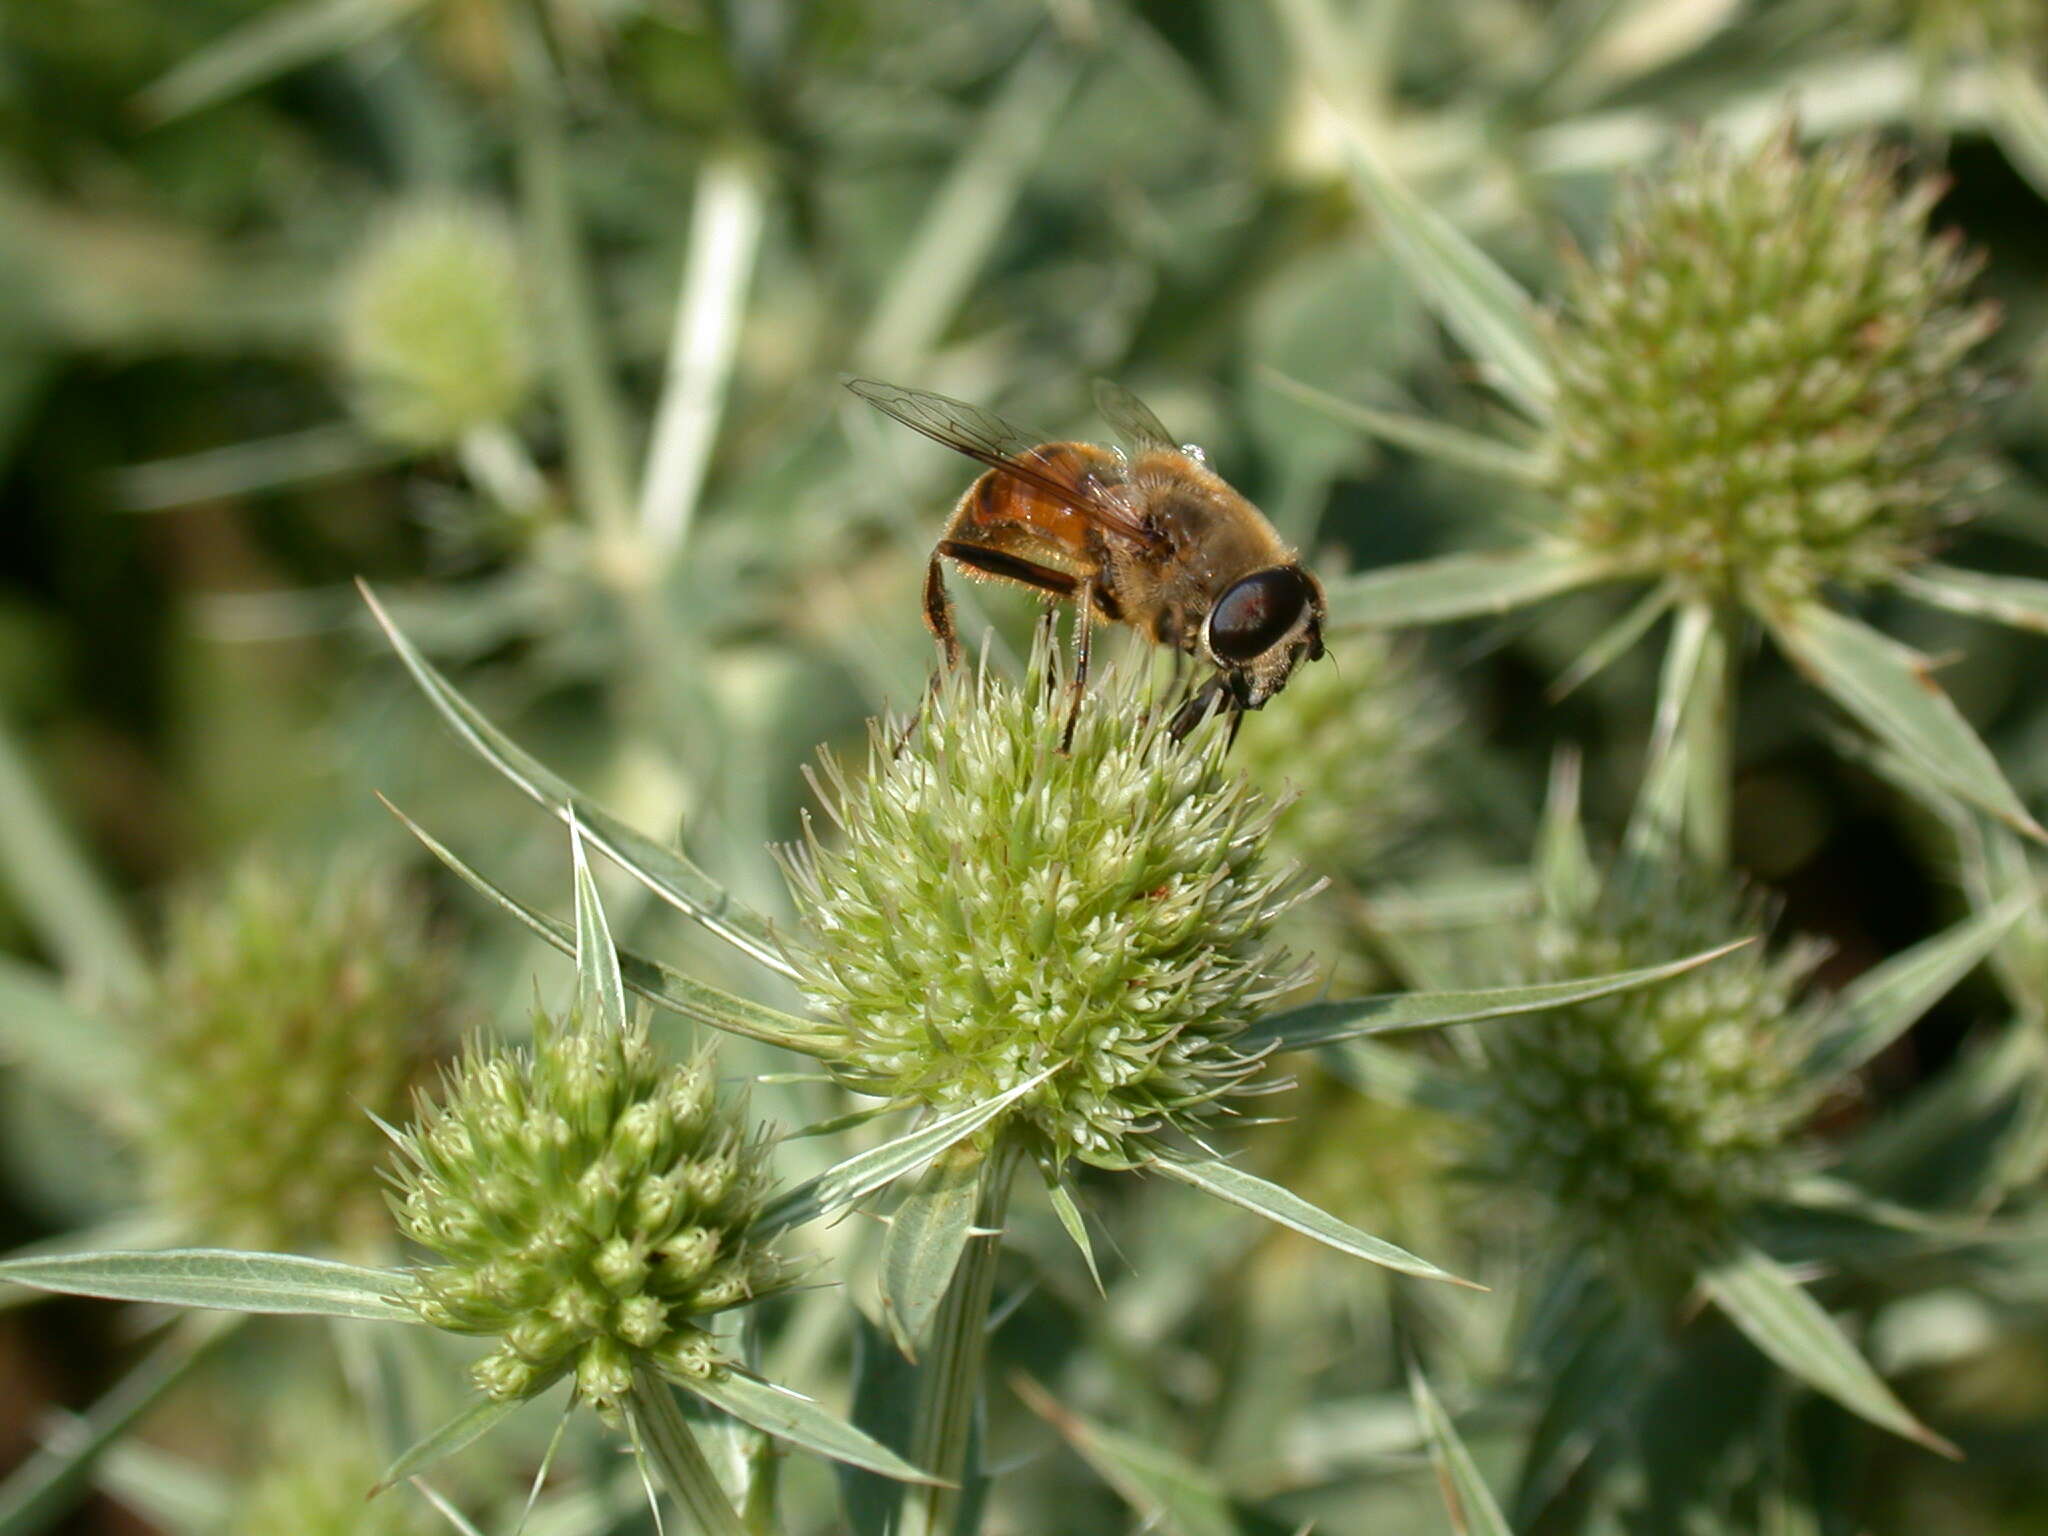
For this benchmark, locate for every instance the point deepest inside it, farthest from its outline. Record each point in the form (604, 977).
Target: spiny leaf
(222, 1278)
(1418, 434)
(1228, 1182)
(468, 1426)
(1068, 1210)
(658, 983)
(1471, 1503)
(2020, 601)
(273, 41)
(927, 1231)
(663, 871)
(597, 959)
(801, 1421)
(1461, 586)
(1888, 999)
(1481, 305)
(1169, 1492)
(1890, 688)
(1788, 1325)
(1326, 1023)
(838, 1187)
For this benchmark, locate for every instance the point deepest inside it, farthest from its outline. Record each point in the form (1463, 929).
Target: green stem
(593, 420)
(949, 1377)
(668, 1443)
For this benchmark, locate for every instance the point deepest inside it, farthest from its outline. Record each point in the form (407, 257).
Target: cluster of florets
(1761, 383)
(287, 1012)
(997, 906)
(1653, 1117)
(590, 1205)
(434, 331)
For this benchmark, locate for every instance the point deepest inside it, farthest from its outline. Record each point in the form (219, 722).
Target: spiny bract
(1760, 383)
(288, 1010)
(1650, 1118)
(998, 906)
(590, 1204)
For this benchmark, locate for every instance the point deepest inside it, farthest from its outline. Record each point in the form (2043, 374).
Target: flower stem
(949, 1377)
(668, 1443)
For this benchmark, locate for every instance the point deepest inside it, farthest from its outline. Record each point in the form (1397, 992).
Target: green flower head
(1650, 1119)
(434, 333)
(590, 1206)
(1761, 382)
(996, 906)
(288, 1010)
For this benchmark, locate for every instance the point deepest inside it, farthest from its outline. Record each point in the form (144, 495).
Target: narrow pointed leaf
(1683, 799)
(1460, 587)
(1418, 434)
(663, 1438)
(1793, 1329)
(597, 959)
(1482, 306)
(662, 870)
(927, 1231)
(2020, 601)
(837, 1188)
(1615, 641)
(1068, 1210)
(1471, 1503)
(222, 1278)
(1891, 690)
(1888, 999)
(1565, 872)
(2020, 117)
(1169, 1492)
(1228, 1182)
(275, 40)
(467, 1427)
(1326, 1023)
(658, 983)
(801, 1421)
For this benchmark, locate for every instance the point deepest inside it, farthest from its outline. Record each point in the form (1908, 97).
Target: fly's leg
(1084, 626)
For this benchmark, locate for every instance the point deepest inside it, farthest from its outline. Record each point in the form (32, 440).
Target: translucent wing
(1132, 417)
(987, 438)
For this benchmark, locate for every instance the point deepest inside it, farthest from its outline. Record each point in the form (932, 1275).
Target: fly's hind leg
(938, 618)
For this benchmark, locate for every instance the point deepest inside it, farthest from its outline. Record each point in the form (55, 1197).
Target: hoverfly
(1150, 537)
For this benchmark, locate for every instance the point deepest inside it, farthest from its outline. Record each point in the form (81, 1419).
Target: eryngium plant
(1756, 399)
(1651, 1122)
(433, 327)
(995, 906)
(1761, 380)
(286, 1012)
(590, 1205)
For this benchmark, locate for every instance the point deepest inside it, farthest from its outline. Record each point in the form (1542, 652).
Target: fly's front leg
(938, 610)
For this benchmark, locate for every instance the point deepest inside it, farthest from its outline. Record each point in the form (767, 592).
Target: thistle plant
(287, 1011)
(1058, 956)
(1755, 398)
(433, 332)
(591, 1208)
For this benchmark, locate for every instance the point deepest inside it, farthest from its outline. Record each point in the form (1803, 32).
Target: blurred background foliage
(531, 313)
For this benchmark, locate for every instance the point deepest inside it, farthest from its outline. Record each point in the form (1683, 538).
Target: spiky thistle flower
(1761, 382)
(1650, 1122)
(287, 1010)
(590, 1207)
(996, 906)
(433, 329)
(314, 1485)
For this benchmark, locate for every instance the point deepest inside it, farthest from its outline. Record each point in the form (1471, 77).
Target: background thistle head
(993, 906)
(589, 1205)
(434, 333)
(288, 1009)
(1762, 380)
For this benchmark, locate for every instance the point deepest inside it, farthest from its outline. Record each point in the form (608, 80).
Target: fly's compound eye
(1255, 614)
